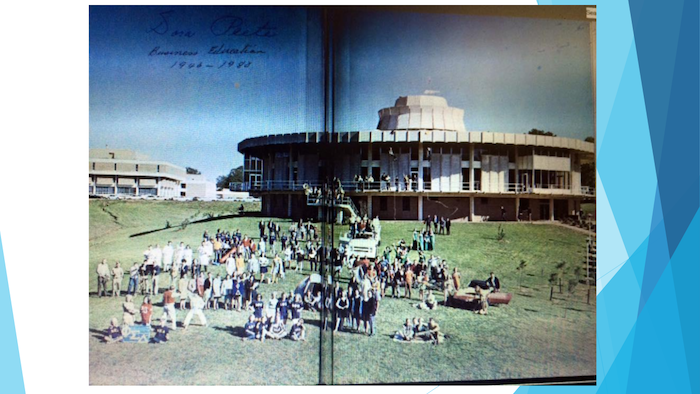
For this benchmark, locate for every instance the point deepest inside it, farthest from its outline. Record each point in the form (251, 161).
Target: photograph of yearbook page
(204, 254)
(463, 178)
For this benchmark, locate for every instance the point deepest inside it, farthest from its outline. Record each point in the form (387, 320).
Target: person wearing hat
(169, 306)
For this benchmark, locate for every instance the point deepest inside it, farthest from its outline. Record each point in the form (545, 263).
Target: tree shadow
(238, 332)
(182, 226)
(530, 310)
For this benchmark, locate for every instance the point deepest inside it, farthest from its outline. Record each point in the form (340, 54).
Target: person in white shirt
(196, 305)
(158, 256)
(180, 253)
(216, 291)
(203, 253)
(188, 258)
(262, 246)
(254, 265)
(230, 265)
(271, 306)
(264, 264)
(168, 254)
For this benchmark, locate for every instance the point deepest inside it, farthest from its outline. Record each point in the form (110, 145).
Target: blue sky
(508, 74)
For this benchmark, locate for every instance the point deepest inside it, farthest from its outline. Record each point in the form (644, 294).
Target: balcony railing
(383, 186)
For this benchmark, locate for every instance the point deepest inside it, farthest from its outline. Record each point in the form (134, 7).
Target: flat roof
(429, 136)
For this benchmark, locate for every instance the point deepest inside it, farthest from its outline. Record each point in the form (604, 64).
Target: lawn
(530, 337)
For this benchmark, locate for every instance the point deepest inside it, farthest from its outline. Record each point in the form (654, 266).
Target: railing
(384, 186)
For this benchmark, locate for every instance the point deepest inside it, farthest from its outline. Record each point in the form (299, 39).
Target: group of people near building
(194, 288)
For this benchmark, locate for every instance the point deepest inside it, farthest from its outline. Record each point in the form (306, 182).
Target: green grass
(530, 337)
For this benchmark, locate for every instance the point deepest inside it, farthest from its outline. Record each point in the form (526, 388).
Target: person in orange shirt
(146, 311)
(456, 276)
(409, 282)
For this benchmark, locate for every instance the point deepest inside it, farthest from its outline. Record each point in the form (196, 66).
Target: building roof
(427, 136)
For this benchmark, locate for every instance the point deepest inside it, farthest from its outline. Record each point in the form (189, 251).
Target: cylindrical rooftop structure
(422, 112)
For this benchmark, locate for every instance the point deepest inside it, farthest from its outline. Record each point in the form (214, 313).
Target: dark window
(414, 153)
(93, 165)
(115, 166)
(484, 200)
(383, 204)
(183, 185)
(365, 153)
(406, 204)
(137, 167)
(158, 168)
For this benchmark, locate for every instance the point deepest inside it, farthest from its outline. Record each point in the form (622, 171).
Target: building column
(517, 208)
(369, 206)
(516, 181)
(471, 208)
(420, 208)
(551, 209)
(291, 176)
(289, 205)
(420, 166)
(471, 168)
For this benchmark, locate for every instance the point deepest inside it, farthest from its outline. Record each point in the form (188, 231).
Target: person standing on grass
(448, 224)
(133, 279)
(197, 304)
(216, 292)
(296, 306)
(208, 284)
(258, 306)
(169, 306)
(183, 290)
(409, 282)
(283, 307)
(118, 277)
(264, 264)
(203, 253)
(168, 253)
(102, 277)
(342, 307)
(155, 277)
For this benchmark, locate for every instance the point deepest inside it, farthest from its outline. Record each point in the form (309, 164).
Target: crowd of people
(193, 286)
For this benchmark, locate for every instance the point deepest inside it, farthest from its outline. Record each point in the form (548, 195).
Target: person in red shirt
(146, 311)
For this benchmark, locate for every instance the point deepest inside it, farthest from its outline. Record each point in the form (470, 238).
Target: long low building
(422, 161)
(121, 172)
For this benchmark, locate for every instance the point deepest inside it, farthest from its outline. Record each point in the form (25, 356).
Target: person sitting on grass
(298, 332)
(114, 332)
(277, 329)
(493, 283)
(419, 326)
(162, 332)
(251, 332)
(309, 302)
(407, 332)
(435, 334)
(430, 303)
(146, 311)
(129, 310)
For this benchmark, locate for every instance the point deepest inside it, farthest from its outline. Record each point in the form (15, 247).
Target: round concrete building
(421, 161)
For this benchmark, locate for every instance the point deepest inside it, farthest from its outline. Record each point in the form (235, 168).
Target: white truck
(365, 244)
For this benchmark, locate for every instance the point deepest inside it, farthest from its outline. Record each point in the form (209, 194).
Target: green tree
(541, 132)
(235, 175)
